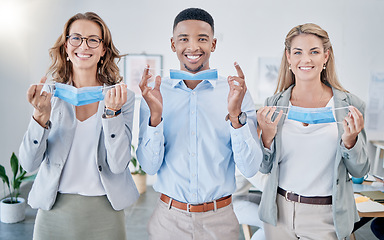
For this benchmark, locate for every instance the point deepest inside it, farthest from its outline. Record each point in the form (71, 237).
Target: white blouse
(308, 157)
(80, 174)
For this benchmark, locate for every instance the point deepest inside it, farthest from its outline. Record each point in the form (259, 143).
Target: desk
(365, 217)
(361, 187)
(379, 145)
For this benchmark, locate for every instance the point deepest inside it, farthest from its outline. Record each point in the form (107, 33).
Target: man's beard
(194, 70)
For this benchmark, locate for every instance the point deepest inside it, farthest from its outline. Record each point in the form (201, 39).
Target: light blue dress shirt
(194, 150)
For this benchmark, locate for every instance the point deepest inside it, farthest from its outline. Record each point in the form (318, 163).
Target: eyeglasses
(76, 40)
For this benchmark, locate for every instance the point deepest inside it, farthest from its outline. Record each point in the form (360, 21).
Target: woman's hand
(353, 124)
(152, 96)
(116, 97)
(267, 126)
(41, 101)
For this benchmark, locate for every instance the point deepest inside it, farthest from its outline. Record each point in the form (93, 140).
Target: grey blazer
(48, 149)
(353, 161)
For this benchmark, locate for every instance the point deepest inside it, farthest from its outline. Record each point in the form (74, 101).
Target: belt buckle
(286, 196)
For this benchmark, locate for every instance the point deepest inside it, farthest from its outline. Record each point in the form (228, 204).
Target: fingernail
(236, 64)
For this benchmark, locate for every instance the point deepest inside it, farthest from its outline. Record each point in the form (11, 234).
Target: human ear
(288, 56)
(173, 45)
(213, 47)
(104, 50)
(326, 56)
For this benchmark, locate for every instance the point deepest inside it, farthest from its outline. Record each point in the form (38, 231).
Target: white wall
(246, 30)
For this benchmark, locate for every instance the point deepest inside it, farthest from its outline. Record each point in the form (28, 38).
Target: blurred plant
(19, 176)
(137, 169)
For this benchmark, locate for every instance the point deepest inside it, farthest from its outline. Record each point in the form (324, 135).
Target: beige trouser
(301, 221)
(172, 224)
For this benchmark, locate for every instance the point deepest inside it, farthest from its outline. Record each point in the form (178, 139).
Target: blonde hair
(328, 76)
(107, 70)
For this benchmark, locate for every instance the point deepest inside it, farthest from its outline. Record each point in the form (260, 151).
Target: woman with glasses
(80, 138)
(310, 151)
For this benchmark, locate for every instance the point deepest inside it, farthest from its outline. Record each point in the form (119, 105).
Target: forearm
(33, 146)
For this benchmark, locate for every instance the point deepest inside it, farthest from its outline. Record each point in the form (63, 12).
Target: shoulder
(271, 101)
(350, 98)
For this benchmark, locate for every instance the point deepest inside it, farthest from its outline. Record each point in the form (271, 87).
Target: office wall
(246, 30)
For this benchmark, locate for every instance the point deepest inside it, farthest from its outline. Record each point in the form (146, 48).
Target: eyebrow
(93, 35)
(309, 49)
(186, 35)
(183, 35)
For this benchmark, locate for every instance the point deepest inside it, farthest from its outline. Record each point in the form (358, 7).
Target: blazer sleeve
(118, 136)
(268, 154)
(356, 159)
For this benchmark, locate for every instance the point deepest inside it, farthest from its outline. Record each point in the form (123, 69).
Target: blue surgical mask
(78, 96)
(210, 74)
(311, 115)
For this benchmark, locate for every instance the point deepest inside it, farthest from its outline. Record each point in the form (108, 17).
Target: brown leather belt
(290, 196)
(204, 207)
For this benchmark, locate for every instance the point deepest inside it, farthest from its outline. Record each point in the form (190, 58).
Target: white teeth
(84, 55)
(193, 57)
(305, 68)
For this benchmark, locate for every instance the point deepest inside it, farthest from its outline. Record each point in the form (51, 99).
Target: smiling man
(186, 139)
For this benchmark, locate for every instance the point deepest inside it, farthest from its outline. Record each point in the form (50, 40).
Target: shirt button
(194, 93)
(100, 168)
(193, 154)
(193, 133)
(35, 142)
(113, 135)
(156, 133)
(194, 175)
(193, 112)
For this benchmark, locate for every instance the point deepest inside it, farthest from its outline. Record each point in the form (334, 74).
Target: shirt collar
(178, 82)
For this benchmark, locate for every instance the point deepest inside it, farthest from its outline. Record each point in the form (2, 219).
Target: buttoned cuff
(239, 135)
(155, 133)
(37, 131)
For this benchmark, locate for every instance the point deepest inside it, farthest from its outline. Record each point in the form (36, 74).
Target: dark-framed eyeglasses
(76, 40)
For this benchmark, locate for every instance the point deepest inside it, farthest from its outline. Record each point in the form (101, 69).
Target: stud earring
(101, 60)
(324, 67)
(67, 58)
(289, 67)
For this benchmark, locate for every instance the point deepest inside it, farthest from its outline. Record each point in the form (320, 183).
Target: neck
(308, 93)
(85, 78)
(192, 83)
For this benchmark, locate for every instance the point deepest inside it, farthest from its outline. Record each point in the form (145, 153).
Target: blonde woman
(79, 140)
(313, 137)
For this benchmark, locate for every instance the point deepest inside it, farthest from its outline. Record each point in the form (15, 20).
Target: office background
(247, 31)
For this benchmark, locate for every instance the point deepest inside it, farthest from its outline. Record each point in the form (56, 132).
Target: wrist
(238, 120)
(154, 120)
(110, 113)
(42, 121)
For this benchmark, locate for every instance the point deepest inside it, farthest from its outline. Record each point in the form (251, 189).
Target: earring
(289, 67)
(67, 58)
(324, 66)
(101, 60)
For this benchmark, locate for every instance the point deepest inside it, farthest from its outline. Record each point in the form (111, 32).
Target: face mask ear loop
(334, 109)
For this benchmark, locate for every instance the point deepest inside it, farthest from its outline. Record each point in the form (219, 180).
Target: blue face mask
(78, 96)
(210, 74)
(311, 115)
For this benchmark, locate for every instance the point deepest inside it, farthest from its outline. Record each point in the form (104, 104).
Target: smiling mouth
(306, 68)
(83, 55)
(193, 58)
